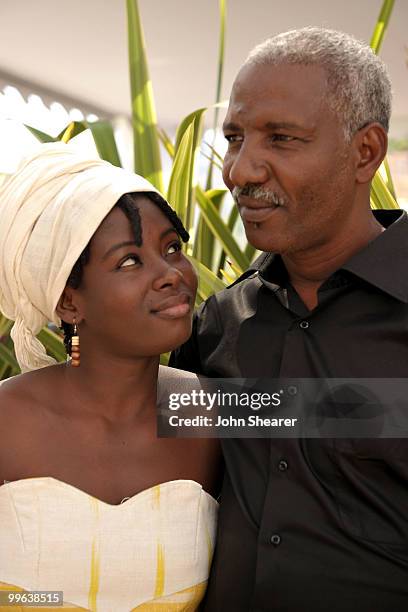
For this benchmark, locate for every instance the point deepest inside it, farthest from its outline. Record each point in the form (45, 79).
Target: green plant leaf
(7, 357)
(41, 136)
(214, 152)
(166, 141)
(216, 196)
(211, 160)
(5, 325)
(144, 122)
(8, 362)
(104, 137)
(221, 230)
(205, 240)
(380, 195)
(5, 370)
(389, 182)
(178, 193)
(73, 129)
(196, 117)
(164, 359)
(102, 133)
(250, 252)
(235, 270)
(226, 277)
(232, 219)
(208, 282)
(221, 52)
(53, 344)
(381, 25)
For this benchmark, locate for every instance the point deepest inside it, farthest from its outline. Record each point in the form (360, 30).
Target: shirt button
(292, 389)
(275, 539)
(304, 324)
(283, 465)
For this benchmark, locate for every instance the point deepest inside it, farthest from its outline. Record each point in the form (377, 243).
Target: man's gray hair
(359, 89)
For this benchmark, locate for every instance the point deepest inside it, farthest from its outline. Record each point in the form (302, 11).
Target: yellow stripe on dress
(209, 547)
(186, 600)
(160, 563)
(160, 572)
(95, 561)
(156, 497)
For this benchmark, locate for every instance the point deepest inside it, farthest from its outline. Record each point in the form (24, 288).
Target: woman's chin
(154, 341)
(176, 339)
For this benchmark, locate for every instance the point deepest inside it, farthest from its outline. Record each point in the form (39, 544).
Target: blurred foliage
(398, 144)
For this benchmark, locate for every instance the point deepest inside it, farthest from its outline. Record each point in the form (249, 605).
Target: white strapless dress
(152, 553)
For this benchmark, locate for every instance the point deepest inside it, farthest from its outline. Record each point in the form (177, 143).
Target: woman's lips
(174, 308)
(174, 312)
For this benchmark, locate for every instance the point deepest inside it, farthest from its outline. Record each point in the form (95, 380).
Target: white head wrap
(49, 210)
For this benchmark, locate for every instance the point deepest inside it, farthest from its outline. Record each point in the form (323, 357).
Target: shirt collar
(382, 263)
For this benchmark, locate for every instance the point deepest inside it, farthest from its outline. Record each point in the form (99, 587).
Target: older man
(310, 525)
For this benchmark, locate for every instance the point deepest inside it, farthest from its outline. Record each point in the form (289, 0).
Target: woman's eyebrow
(115, 247)
(169, 230)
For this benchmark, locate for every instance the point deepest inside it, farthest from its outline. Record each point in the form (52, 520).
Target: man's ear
(371, 147)
(68, 306)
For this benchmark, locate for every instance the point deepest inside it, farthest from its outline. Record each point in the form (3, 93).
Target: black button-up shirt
(311, 525)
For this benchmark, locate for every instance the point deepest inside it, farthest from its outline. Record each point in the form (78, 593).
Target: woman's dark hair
(128, 204)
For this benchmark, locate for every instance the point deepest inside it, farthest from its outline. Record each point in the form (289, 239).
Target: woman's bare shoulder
(24, 402)
(23, 392)
(16, 420)
(16, 397)
(14, 390)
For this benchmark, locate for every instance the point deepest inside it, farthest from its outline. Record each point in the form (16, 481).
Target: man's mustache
(257, 192)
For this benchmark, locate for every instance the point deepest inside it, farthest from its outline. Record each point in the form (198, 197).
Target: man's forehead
(284, 88)
(282, 75)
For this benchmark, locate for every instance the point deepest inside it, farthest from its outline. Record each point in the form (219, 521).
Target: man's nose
(247, 166)
(167, 277)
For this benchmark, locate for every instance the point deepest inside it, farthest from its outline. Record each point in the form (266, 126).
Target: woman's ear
(371, 142)
(68, 306)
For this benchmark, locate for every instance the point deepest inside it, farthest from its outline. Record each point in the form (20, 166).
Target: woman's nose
(169, 276)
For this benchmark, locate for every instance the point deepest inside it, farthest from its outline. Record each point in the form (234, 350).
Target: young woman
(93, 503)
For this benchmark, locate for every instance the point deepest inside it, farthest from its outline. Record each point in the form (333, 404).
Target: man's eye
(130, 260)
(282, 138)
(174, 247)
(233, 138)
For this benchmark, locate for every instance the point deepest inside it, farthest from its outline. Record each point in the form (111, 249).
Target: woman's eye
(130, 260)
(174, 247)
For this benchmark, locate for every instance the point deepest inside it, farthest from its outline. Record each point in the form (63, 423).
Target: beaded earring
(75, 350)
